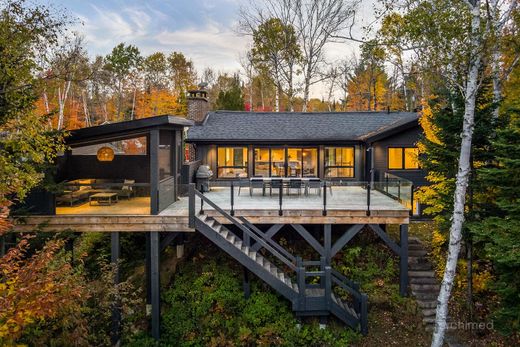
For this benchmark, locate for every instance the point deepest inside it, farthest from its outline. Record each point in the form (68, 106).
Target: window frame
(286, 160)
(403, 158)
(325, 166)
(245, 167)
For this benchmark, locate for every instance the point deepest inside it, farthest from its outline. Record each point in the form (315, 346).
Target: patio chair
(241, 182)
(255, 182)
(315, 184)
(295, 183)
(276, 184)
(127, 189)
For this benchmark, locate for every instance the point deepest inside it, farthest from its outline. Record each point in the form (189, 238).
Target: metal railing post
(411, 200)
(191, 205)
(202, 202)
(324, 213)
(386, 179)
(300, 278)
(368, 199)
(399, 190)
(232, 190)
(280, 194)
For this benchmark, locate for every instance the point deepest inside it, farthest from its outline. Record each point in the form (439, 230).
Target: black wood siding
(408, 138)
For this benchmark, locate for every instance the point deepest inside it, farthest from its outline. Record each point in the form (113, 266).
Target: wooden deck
(346, 205)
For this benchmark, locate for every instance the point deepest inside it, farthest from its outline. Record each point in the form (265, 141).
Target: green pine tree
(500, 233)
(231, 99)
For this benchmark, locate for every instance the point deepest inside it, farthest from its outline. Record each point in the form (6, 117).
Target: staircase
(423, 283)
(290, 276)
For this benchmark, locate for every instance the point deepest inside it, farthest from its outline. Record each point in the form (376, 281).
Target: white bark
(85, 109)
(464, 168)
(277, 99)
(62, 99)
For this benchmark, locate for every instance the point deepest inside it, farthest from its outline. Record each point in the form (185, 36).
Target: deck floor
(341, 199)
(132, 206)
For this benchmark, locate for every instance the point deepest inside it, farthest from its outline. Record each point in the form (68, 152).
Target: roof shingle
(296, 126)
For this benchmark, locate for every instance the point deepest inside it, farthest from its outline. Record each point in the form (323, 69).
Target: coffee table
(103, 198)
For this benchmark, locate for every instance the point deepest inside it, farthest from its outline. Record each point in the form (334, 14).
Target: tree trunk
(277, 99)
(133, 104)
(85, 109)
(62, 98)
(462, 179)
(306, 94)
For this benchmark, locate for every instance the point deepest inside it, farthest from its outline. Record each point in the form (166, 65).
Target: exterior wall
(406, 138)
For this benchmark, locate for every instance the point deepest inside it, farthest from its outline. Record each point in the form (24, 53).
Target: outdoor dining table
(285, 181)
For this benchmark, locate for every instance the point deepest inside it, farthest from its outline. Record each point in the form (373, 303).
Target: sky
(203, 30)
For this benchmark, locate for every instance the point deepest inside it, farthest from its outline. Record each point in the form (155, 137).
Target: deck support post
(403, 260)
(155, 283)
(246, 283)
(148, 265)
(115, 335)
(179, 249)
(327, 243)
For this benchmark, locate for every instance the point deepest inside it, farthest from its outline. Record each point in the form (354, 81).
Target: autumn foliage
(40, 290)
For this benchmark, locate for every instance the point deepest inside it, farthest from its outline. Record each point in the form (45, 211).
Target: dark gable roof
(232, 126)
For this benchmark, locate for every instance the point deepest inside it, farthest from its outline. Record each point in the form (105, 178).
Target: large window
(339, 162)
(231, 162)
(403, 158)
(135, 146)
(262, 161)
(286, 162)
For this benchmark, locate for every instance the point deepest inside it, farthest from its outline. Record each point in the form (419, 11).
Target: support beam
(115, 335)
(148, 271)
(168, 239)
(345, 238)
(384, 236)
(154, 171)
(309, 238)
(327, 243)
(155, 284)
(269, 234)
(403, 260)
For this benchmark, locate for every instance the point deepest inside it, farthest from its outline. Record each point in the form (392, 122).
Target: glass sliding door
(286, 162)
(278, 162)
(310, 162)
(262, 162)
(294, 162)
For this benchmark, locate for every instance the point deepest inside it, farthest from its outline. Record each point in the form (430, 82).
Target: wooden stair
(313, 302)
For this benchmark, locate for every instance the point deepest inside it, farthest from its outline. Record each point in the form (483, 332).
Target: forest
(456, 63)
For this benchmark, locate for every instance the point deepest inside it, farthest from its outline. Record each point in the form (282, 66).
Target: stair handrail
(282, 250)
(244, 229)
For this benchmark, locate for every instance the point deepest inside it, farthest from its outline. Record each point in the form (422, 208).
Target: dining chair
(295, 183)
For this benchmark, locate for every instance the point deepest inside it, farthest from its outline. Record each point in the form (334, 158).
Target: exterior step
(423, 280)
(420, 266)
(433, 288)
(426, 296)
(421, 274)
(415, 246)
(428, 312)
(417, 253)
(427, 304)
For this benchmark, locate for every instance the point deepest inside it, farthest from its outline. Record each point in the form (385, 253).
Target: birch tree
(452, 38)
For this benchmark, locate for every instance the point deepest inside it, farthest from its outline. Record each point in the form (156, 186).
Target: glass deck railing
(398, 188)
(291, 196)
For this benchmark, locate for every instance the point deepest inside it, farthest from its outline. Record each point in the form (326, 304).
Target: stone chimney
(198, 108)
(198, 104)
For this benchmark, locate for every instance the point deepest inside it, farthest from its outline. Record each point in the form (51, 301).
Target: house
(324, 177)
(334, 146)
